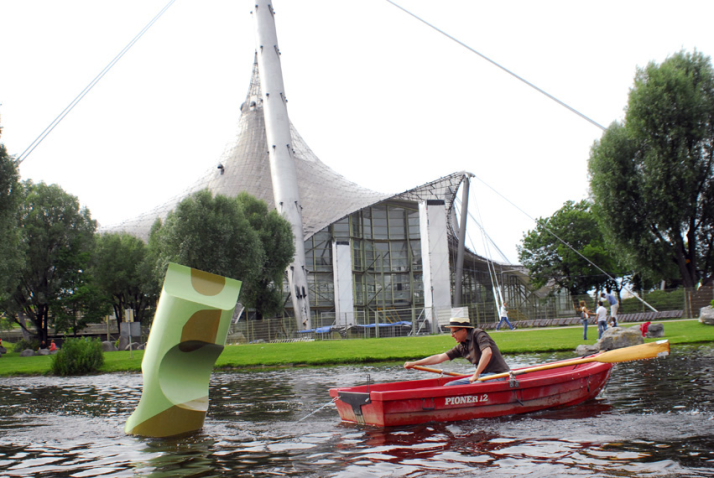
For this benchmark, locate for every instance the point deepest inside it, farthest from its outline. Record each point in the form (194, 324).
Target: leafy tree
(10, 198)
(120, 270)
(5, 324)
(208, 233)
(58, 237)
(82, 304)
(652, 177)
(547, 258)
(155, 264)
(264, 294)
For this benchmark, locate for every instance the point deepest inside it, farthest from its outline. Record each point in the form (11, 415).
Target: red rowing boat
(419, 401)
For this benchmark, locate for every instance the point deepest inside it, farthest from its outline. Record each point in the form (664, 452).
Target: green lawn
(335, 352)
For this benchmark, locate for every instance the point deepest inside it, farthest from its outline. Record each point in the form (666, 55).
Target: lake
(655, 418)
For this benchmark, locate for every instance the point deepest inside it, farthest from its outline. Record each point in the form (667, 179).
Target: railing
(397, 322)
(327, 326)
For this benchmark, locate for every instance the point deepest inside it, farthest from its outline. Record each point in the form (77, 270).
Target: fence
(326, 326)
(393, 322)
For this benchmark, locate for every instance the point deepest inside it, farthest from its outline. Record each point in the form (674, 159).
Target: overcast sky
(377, 95)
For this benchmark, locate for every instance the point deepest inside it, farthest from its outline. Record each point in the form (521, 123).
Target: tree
(548, 259)
(652, 177)
(264, 294)
(58, 237)
(80, 305)
(208, 233)
(120, 270)
(10, 198)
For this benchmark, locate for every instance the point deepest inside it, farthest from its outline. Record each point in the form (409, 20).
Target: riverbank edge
(378, 361)
(559, 339)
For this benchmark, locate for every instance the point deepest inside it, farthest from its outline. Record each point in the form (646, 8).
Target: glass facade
(386, 258)
(387, 273)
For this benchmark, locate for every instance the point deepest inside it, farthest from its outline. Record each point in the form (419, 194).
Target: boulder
(706, 315)
(3, 350)
(238, 338)
(43, 352)
(655, 330)
(584, 349)
(613, 338)
(27, 353)
(108, 346)
(123, 343)
(618, 337)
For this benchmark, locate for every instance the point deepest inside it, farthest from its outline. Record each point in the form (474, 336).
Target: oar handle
(436, 370)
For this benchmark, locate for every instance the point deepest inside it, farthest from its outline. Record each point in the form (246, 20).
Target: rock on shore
(613, 338)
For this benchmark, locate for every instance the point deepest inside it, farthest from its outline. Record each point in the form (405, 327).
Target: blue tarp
(325, 330)
(319, 330)
(402, 323)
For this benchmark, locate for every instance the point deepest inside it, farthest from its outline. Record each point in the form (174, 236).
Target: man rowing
(475, 345)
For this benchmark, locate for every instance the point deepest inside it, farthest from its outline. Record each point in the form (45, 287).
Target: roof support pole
(459, 270)
(282, 166)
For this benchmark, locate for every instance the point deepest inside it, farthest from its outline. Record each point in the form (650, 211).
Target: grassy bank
(337, 352)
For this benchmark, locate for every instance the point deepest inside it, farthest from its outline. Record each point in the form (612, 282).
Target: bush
(78, 357)
(26, 344)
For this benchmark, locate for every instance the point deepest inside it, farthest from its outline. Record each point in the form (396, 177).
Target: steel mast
(279, 142)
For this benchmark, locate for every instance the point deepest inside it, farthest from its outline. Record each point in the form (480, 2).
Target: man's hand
(431, 360)
(482, 363)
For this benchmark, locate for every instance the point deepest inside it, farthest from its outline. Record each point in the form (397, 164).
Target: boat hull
(420, 401)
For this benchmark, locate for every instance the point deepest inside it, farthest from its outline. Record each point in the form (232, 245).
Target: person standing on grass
(504, 316)
(475, 345)
(601, 313)
(614, 305)
(584, 316)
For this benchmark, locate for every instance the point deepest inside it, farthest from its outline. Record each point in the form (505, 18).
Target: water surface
(655, 418)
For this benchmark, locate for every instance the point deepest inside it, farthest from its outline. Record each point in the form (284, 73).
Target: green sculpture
(187, 336)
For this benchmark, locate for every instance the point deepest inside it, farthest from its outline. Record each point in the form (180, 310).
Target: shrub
(26, 344)
(77, 357)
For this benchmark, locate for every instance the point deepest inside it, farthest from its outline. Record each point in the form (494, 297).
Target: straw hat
(459, 322)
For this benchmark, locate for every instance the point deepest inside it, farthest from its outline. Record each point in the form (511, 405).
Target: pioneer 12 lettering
(466, 399)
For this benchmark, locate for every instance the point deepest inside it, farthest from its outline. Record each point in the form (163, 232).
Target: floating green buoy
(187, 336)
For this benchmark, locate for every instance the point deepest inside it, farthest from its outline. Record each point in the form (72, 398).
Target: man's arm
(482, 363)
(432, 360)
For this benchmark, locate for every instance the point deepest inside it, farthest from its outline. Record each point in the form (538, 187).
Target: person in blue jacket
(614, 305)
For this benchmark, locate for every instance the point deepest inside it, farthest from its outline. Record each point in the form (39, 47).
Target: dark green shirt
(476, 341)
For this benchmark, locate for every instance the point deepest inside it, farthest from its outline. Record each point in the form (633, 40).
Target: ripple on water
(654, 419)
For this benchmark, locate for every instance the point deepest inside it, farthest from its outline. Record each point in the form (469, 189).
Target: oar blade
(636, 352)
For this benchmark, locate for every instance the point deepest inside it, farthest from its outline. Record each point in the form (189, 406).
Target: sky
(379, 96)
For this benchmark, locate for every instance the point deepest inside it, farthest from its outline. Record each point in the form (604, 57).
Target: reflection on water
(655, 418)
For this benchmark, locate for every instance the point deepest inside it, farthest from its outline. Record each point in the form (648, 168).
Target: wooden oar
(436, 370)
(625, 354)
